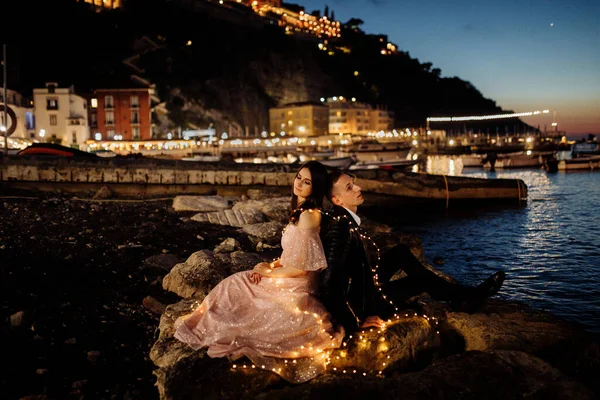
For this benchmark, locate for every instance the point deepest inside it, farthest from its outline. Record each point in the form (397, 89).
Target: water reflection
(547, 248)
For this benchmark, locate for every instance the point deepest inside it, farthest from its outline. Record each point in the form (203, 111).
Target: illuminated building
(23, 111)
(351, 117)
(61, 116)
(103, 4)
(296, 20)
(123, 113)
(300, 119)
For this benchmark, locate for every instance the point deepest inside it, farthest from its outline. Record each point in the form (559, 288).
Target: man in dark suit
(356, 286)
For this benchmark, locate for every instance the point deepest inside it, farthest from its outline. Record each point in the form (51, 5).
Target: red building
(123, 114)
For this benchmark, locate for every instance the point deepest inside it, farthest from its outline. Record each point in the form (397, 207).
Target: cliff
(227, 68)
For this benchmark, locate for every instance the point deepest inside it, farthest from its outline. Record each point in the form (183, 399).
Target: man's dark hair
(335, 176)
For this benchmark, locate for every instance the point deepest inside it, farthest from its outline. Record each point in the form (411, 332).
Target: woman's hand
(255, 278)
(260, 270)
(263, 268)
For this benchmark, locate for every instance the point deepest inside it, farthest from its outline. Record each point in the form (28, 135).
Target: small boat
(339, 162)
(471, 160)
(514, 160)
(398, 164)
(583, 149)
(51, 149)
(579, 163)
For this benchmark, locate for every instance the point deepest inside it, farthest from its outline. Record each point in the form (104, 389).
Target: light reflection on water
(548, 248)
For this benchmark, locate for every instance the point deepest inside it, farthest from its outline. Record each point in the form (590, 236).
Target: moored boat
(579, 163)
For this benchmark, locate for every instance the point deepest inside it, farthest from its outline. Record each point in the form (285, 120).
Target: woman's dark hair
(320, 185)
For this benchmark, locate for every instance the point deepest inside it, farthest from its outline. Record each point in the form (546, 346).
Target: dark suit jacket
(347, 288)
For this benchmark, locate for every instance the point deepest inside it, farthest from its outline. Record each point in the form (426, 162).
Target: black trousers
(419, 279)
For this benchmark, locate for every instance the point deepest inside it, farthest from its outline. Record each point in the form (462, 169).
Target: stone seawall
(163, 174)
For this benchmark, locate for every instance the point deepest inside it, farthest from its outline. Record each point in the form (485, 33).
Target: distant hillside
(233, 71)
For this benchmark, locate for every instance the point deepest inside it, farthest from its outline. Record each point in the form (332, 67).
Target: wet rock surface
(89, 292)
(80, 289)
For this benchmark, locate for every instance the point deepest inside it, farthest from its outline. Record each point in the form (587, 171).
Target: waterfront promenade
(151, 177)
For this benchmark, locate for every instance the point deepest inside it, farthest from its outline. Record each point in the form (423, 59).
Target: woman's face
(303, 183)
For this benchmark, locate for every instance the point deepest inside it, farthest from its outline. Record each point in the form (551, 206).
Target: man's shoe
(491, 285)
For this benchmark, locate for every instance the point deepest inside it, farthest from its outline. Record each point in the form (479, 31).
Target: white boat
(579, 163)
(338, 162)
(516, 160)
(383, 164)
(472, 160)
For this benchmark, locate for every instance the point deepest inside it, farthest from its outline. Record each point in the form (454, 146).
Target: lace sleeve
(304, 251)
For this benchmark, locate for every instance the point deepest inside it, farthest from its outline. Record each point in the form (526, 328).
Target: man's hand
(374, 322)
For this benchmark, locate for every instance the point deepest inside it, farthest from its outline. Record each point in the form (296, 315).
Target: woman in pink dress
(271, 314)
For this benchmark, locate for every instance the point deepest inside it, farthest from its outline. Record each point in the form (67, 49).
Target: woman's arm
(280, 272)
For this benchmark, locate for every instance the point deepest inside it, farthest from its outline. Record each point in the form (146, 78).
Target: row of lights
(486, 117)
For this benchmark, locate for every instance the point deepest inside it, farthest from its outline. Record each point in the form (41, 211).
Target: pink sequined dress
(278, 323)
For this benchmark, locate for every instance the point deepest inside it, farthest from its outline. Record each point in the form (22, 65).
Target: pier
(152, 177)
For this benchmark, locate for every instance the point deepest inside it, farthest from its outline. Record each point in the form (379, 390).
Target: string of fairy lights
(358, 337)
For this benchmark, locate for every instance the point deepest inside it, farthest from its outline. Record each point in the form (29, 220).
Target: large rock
(472, 375)
(204, 269)
(516, 327)
(196, 276)
(275, 209)
(502, 362)
(237, 218)
(186, 374)
(227, 246)
(267, 231)
(200, 203)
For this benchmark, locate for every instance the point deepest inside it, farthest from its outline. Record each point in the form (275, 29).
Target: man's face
(346, 193)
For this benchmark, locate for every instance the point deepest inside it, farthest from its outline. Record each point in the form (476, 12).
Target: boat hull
(580, 163)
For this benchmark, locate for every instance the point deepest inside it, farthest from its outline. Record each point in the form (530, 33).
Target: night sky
(526, 55)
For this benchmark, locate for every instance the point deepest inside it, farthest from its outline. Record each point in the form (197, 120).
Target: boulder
(502, 357)
(275, 209)
(200, 203)
(237, 218)
(472, 375)
(267, 231)
(204, 269)
(227, 246)
(196, 276)
(183, 373)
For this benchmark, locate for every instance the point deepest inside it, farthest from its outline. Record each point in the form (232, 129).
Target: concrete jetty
(149, 177)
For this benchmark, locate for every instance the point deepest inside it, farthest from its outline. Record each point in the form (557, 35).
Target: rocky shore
(91, 285)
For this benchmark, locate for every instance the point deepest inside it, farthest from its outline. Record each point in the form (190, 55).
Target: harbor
(141, 171)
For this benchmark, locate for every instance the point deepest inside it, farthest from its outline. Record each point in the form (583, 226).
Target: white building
(23, 113)
(381, 120)
(348, 116)
(61, 116)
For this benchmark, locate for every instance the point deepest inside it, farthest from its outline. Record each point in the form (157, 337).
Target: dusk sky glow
(526, 55)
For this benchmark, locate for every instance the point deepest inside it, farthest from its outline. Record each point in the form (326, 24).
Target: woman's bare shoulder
(309, 219)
